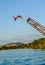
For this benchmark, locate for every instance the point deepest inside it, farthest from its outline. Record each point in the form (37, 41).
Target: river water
(22, 57)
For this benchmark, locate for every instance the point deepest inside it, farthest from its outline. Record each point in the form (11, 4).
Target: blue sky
(27, 8)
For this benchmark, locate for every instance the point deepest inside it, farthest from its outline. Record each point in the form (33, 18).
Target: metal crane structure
(36, 25)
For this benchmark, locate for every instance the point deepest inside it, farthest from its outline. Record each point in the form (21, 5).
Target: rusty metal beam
(36, 25)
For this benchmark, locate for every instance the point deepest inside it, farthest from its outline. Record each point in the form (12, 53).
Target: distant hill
(14, 44)
(11, 44)
(36, 44)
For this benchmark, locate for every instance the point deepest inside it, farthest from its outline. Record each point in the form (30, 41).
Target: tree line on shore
(36, 44)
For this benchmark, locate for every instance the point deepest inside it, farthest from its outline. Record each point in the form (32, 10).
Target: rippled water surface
(22, 57)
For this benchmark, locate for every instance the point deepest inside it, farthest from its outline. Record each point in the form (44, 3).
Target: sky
(20, 30)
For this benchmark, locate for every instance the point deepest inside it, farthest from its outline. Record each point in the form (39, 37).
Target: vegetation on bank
(36, 44)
